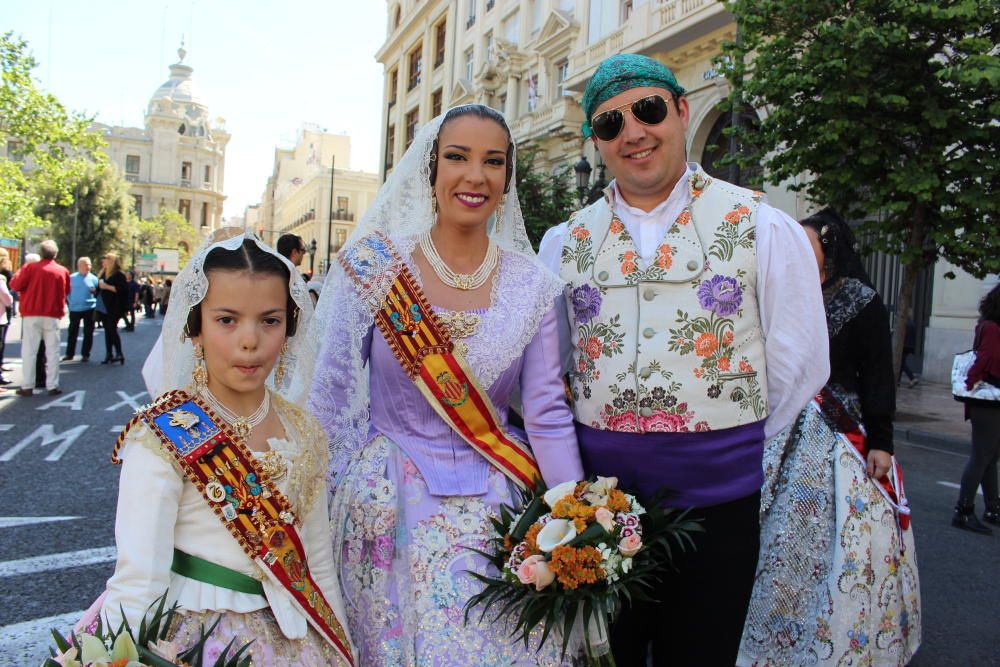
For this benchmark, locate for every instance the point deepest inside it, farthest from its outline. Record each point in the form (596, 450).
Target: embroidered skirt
(837, 577)
(270, 646)
(403, 562)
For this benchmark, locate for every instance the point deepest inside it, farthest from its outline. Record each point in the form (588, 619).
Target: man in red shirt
(43, 287)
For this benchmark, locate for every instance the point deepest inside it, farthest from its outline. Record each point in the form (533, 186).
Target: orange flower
(745, 366)
(575, 566)
(530, 539)
(706, 344)
(570, 508)
(508, 543)
(733, 218)
(594, 347)
(684, 218)
(617, 502)
(664, 256)
(743, 210)
(616, 226)
(698, 372)
(580, 233)
(724, 364)
(727, 338)
(629, 265)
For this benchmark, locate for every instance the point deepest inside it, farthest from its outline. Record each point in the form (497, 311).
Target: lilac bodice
(511, 351)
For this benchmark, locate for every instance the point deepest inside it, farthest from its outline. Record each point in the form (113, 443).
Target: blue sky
(264, 66)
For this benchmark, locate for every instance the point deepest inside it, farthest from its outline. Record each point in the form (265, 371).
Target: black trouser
(75, 317)
(130, 318)
(112, 341)
(701, 607)
(982, 466)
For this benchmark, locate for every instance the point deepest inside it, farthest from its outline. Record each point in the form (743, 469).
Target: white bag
(984, 391)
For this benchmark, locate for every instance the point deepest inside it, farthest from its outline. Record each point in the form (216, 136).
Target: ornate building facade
(312, 192)
(178, 160)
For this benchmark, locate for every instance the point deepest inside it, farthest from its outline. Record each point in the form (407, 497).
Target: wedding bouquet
(570, 557)
(102, 647)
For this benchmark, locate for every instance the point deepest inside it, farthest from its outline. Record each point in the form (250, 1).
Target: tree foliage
(889, 108)
(95, 218)
(546, 199)
(886, 110)
(53, 147)
(168, 229)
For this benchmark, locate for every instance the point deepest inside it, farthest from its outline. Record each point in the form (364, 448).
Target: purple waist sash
(699, 469)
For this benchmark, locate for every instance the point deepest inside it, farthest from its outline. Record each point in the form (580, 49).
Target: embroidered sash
(427, 355)
(891, 484)
(248, 503)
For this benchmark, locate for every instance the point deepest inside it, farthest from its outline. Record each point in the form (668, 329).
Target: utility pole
(734, 123)
(329, 222)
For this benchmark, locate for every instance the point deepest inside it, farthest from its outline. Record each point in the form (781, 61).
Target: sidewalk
(928, 415)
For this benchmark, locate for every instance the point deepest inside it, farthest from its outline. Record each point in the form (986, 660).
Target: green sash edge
(208, 572)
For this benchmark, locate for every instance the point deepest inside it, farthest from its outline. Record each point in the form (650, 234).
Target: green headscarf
(623, 72)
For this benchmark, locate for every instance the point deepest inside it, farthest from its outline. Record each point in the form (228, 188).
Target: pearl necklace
(462, 281)
(242, 425)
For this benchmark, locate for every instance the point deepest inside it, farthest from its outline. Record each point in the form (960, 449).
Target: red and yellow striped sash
(427, 355)
(248, 503)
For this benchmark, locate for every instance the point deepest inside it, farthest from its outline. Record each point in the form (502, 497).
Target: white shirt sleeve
(793, 319)
(149, 493)
(550, 249)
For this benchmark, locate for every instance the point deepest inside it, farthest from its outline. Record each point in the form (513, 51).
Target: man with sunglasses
(697, 329)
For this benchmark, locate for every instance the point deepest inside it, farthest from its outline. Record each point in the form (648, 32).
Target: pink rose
(663, 422)
(629, 546)
(604, 517)
(534, 570)
(623, 423)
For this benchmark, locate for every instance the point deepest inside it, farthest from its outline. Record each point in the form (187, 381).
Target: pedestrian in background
(82, 303)
(147, 296)
(133, 301)
(6, 299)
(981, 469)
(43, 286)
(113, 288)
(8, 312)
(165, 298)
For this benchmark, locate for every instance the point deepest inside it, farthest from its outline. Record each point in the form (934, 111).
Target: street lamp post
(583, 170)
(312, 256)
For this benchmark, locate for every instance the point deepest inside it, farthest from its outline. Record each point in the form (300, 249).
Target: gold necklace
(459, 324)
(462, 281)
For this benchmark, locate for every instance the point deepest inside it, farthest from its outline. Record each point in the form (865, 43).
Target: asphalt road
(58, 494)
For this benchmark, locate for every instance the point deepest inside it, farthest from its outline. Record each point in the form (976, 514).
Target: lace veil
(339, 396)
(170, 364)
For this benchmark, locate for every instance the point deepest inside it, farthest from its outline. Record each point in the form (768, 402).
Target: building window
(185, 174)
(390, 145)
(471, 21)
(626, 10)
(397, 14)
(204, 214)
(343, 204)
(208, 176)
(562, 73)
(470, 62)
(341, 238)
(437, 100)
(502, 103)
(488, 46)
(131, 168)
(441, 34)
(532, 90)
(138, 205)
(511, 28)
(416, 64)
(411, 126)
(489, 4)
(568, 6)
(536, 16)
(13, 149)
(393, 85)
(184, 208)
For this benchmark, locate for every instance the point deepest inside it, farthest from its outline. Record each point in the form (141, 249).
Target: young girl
(222, 498)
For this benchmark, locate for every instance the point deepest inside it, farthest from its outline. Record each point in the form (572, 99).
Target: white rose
(555, 533)
(557, 493)
(603, 485)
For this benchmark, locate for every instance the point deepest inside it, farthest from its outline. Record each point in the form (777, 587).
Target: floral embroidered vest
(676, 345)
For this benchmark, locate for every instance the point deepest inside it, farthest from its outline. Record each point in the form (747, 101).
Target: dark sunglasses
(649, 110)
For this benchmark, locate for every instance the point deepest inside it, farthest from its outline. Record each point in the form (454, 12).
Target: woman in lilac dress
(412, 498)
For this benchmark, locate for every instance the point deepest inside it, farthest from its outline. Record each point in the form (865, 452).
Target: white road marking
(127, 400)
(13, 568)
(73, 401)
(952, 485)
(12, 521)
(48, 436)
(118, 429)
(27, 643)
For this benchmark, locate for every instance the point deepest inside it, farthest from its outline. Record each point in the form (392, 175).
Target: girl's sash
(427, 355)
(250, 506)
(891, 484)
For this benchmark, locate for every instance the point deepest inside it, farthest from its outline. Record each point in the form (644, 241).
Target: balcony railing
(343, 215)
(185, 182)
(132, 178)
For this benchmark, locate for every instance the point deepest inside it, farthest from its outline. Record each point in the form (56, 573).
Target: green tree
(886, 110)
(96, 218)
(546, 199)
(168, 229)
(52, 147)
